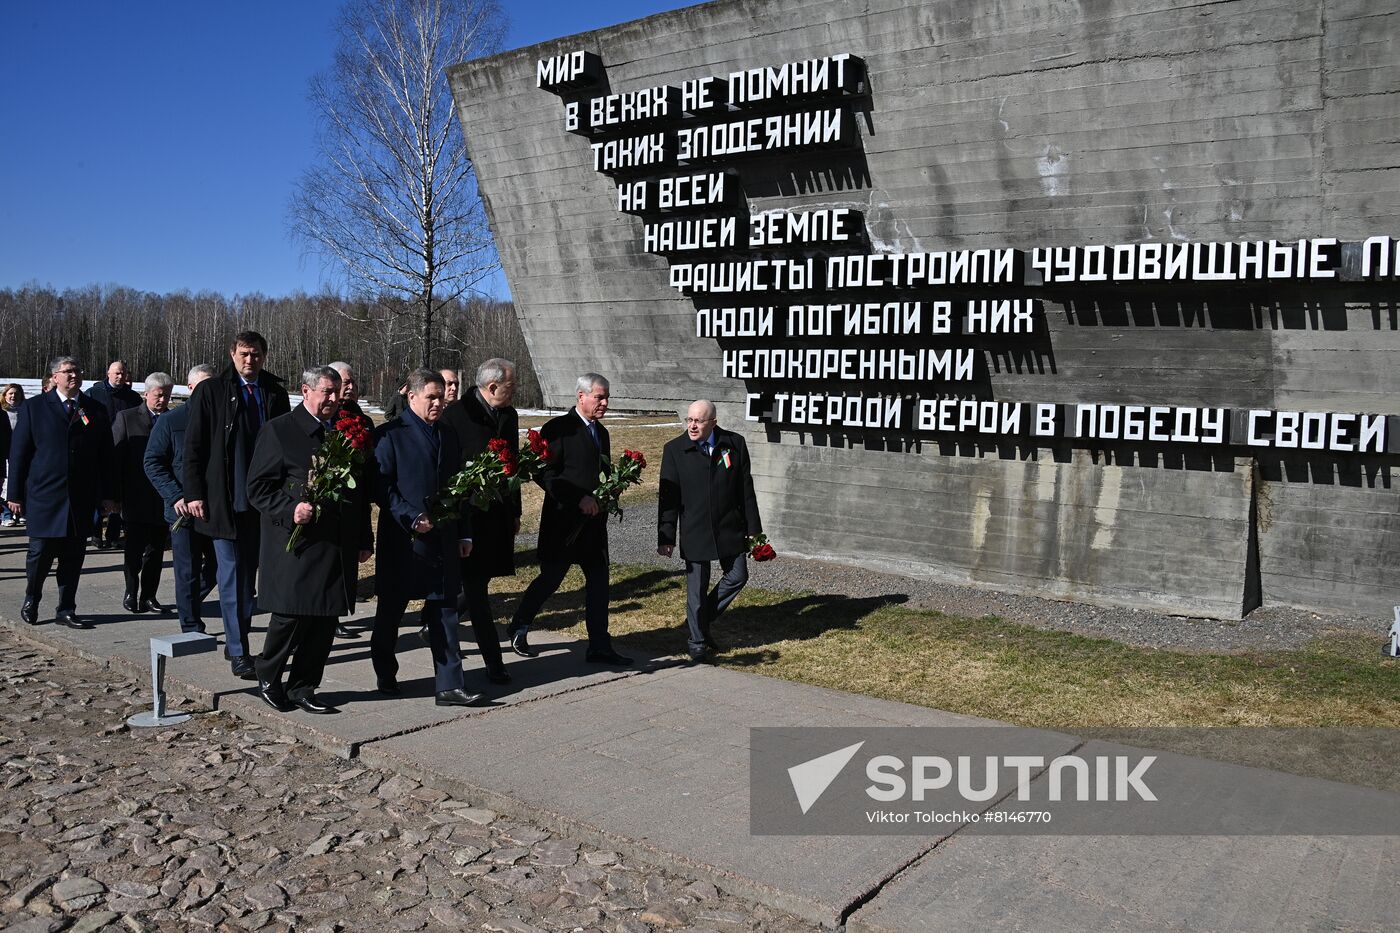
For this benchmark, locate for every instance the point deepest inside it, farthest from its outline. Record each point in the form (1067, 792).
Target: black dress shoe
(151, 605)
(129, 603)
(243, 668)
(498, 676)
(461, 698)
(312, 705)
(69, 619)
(344, 631)
(606, 656)
(104, 545)
(700, 657)
(274, 696)
(29, 612)
(423, 634)
(388, 687)
(520, 644)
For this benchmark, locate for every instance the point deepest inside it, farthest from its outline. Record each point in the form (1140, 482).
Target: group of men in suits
(223, 478)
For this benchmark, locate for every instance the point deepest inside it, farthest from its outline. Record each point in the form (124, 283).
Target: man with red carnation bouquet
(707, 502)
(484, 420)
(350, 404)
(573, 523)
(308, 481)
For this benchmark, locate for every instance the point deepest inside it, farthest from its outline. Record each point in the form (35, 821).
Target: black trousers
(143, 556)
(595, 597)
(113, 528)
(475, 604)
(703, 605)
(69, 552)
(306, 642)
(440, 616)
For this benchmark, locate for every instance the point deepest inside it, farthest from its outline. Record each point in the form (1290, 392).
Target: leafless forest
(173, 332)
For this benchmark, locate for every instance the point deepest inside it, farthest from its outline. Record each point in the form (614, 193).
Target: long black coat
(574, 468)
(209, 448)
(113, 399)
(130, 434)
(710, 498)
(319, 577)
(493, 529)
(61, 467)
(407, 480)
(4, 442)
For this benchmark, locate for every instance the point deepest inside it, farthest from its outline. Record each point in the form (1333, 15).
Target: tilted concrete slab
(658, 766)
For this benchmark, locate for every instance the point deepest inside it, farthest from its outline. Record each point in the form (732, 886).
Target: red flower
(636, 456)
(764, 552)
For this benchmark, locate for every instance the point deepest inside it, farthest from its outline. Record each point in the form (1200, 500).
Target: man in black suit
(310, 587)
(116, 395)
(226, 413)
(707, 502)
(418, 558)
(350, 404)
(60, 474)
(481, 416)
(192, 553)
(147, 534)
(573, 527)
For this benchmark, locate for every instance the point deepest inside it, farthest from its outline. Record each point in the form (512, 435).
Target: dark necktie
(69, 406)
(706, 448)
(593, 433)
(250, 394)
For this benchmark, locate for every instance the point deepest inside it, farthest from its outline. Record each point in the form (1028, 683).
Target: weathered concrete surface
(1024, 124)
(658, 766)
(1235, 883)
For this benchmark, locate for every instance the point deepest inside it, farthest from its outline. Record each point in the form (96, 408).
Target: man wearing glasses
(707, 501)
(61, 471)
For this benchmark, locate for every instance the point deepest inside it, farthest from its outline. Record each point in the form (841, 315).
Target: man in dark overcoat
(116, 395)
(60, 473)
(226, 413)
(192, 551)
(350, 404)
(707, 503)
(419, 558)
(309, 588)
(143, 512)
(573, 527)
(484, 414)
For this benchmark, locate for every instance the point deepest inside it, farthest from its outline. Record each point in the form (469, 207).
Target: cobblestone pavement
(222, 825)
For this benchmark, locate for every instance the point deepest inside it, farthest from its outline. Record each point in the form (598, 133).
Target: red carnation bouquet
(759, 548)
(533, 455)
(333, 467)
(613, 483)
(488, 478)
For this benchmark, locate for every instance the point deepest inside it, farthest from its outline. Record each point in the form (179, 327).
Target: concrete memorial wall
(1092, 300)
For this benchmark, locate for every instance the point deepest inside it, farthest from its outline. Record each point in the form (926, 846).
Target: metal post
(162, 647)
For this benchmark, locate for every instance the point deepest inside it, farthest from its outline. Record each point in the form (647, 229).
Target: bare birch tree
(392, 199)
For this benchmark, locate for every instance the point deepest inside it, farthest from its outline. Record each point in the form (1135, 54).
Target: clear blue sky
(154, 143)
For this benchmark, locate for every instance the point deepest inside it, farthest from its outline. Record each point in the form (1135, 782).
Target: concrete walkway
(654, 762)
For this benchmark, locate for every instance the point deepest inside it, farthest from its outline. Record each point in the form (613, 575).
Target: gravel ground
(222, 825)
(634, 542)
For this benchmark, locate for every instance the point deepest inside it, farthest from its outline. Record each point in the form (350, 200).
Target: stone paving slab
(658, 766)
(1257, 883)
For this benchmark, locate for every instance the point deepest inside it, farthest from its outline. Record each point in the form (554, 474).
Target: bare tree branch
(391, 200)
